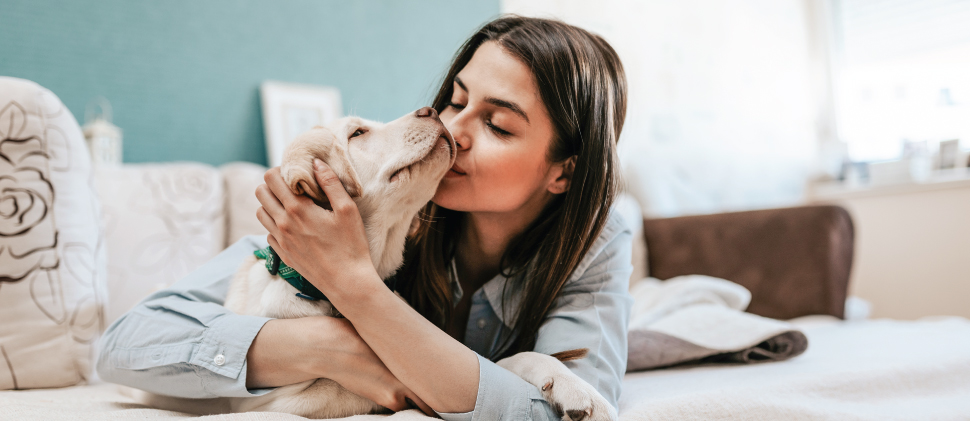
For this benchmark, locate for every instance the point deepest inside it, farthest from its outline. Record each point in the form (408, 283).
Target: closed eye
(357, 132)
(497, 129)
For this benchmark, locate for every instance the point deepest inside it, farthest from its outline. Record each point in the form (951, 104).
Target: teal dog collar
(275, 266)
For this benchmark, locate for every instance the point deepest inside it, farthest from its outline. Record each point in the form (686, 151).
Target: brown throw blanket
(699, 319)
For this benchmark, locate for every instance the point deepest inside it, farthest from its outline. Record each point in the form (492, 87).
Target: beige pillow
(52, 261)
(241, 180)
(162, 221)
(629, 208)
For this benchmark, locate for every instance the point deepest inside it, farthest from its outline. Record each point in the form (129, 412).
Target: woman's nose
(457, 125)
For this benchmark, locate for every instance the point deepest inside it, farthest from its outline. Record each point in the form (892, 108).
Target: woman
(517, 252)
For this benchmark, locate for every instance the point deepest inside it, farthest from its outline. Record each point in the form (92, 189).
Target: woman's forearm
(438, 368)
(288, 351)
(278, 355)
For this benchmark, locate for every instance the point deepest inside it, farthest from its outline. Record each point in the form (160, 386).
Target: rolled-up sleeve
(592, 312)
(503, 395)
(181, 341)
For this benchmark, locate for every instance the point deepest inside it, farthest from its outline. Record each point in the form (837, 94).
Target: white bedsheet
(867, 370)
(872, 370)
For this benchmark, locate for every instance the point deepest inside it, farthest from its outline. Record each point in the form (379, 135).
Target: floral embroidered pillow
(52, 261)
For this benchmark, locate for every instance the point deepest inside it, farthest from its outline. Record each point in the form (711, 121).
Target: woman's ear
(562, 173)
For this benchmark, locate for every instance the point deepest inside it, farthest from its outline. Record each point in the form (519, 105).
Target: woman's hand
(328, 247)
(283, 353)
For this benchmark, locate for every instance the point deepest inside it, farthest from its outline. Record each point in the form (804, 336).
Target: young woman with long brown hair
(518, 251)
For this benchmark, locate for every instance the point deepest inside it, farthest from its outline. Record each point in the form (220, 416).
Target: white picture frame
(949, 154)
(290, 109)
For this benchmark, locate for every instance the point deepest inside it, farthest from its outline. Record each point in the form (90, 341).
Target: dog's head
(401, 160)
(391, 170)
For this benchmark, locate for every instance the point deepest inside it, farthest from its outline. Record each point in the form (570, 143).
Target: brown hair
(582, 84)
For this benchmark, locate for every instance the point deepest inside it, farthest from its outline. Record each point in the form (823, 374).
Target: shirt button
(482, 323)
(220, 359)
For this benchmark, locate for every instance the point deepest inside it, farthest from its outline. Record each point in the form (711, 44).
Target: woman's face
(504, 133)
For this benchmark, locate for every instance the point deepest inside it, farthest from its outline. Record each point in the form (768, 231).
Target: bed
(794, 261)
(866, 370)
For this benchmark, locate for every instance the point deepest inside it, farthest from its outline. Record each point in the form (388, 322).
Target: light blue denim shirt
(182, 342)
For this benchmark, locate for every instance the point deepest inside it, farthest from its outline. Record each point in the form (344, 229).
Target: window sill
(939, 180)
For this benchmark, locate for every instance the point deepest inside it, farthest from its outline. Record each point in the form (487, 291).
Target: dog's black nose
(426, 112)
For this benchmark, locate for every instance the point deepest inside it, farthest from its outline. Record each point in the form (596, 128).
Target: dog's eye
(357, 132)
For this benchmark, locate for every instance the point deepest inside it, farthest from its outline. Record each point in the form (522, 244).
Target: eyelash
(497, 130)
(491, 126)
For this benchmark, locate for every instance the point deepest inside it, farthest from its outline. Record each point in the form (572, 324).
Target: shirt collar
(494, 288)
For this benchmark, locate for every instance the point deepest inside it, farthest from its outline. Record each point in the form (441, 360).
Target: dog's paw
(298, 175)
(576, 400)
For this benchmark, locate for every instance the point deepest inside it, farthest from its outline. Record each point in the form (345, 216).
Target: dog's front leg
(570, 395)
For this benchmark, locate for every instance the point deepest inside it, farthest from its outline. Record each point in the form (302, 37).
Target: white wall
(722, 114)
(912, 246)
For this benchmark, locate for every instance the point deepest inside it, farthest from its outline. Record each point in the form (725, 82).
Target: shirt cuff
(222, 353)
(503, 395)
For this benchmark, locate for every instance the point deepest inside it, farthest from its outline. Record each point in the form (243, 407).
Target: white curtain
(728, 99)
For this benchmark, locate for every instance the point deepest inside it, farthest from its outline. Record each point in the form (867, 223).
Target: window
(904, 75)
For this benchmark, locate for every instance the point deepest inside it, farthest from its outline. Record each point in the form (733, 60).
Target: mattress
(865, 370)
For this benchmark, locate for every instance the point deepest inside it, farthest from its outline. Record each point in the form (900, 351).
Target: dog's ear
(297, 166)
(339, 161)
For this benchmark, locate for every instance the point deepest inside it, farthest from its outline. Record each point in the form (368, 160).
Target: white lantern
(102, 137)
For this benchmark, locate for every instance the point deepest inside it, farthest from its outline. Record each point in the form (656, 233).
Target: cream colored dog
(391, 170)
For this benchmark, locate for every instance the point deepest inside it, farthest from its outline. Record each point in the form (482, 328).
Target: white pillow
(162, 221)
(52, 266)
(241, 180)
(626, 205)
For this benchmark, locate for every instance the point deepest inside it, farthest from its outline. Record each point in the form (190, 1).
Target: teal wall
(183, 75)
